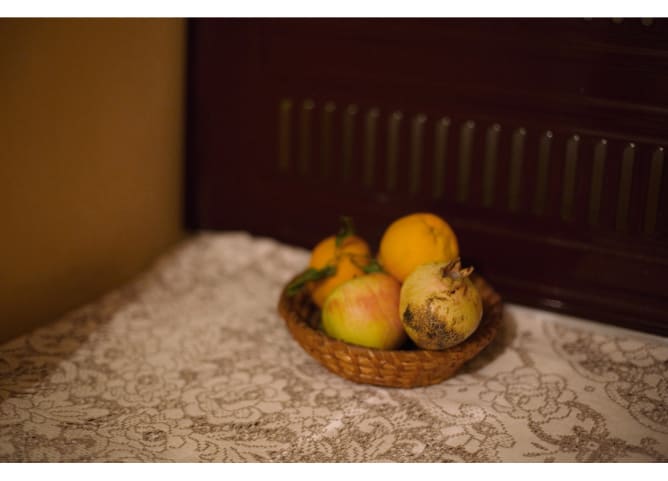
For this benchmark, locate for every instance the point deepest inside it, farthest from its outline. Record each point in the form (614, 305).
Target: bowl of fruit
(409, 316)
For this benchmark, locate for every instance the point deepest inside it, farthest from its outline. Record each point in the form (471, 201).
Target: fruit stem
(347, 229)
(453, 270)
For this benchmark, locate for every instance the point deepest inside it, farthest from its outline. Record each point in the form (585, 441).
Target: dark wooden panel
(541, 141)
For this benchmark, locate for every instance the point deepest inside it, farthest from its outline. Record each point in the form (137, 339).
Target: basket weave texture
(405, 368)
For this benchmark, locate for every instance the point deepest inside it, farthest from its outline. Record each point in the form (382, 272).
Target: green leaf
(310, 275)
(373, 266)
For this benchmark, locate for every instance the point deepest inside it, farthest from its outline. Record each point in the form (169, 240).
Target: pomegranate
(439, 305)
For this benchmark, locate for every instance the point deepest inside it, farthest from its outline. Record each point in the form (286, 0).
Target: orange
(348, 260)
(414, 240)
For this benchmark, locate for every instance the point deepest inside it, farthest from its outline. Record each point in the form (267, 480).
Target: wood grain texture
(540, 141)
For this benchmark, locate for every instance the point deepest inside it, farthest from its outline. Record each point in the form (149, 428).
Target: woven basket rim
(492, 307)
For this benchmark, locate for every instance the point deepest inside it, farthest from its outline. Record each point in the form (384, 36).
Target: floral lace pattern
(191, 362)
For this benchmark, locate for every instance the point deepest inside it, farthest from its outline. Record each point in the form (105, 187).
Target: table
(191, 362)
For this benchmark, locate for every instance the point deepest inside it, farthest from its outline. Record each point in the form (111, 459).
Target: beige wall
(91, 148)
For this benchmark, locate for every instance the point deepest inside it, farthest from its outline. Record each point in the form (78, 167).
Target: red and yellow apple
(364, 311)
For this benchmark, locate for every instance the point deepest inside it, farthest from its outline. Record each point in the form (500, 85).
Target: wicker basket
(406, 368)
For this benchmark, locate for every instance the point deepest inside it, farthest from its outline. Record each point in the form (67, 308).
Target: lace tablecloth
(191, 362)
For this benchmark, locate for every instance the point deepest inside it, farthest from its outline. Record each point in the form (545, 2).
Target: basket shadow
(505, 335)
